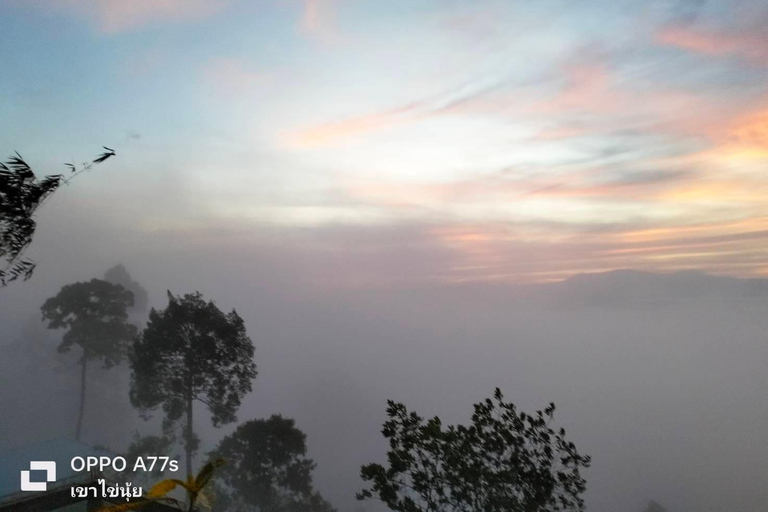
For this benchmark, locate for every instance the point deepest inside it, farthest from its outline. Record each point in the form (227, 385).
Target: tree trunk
(83, 363)
(188, 444)
(188, 449)
(190, 397)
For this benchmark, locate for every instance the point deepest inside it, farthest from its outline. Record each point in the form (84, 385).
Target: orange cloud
(721, 191)
(751, 45)
(741, 142)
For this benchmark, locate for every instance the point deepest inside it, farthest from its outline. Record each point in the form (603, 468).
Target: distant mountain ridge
(631, 286)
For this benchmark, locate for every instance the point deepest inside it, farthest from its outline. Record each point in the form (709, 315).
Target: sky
(489, 140)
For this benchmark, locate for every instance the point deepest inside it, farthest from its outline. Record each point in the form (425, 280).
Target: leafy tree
(654, 507)
(191, 351)
(21, 194)
(146, 446)
(95, 315)
(119, 275)
(504, 461)
(267, 468)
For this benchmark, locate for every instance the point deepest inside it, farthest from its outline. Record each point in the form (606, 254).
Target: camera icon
(48, 466)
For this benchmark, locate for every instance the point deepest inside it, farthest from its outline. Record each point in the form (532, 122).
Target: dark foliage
(21, 194)
(107, 154)
(192, 351)
(505, 461)
(267, 468)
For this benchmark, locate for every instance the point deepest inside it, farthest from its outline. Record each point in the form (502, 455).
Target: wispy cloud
(585, 95)
(335, 132)
(332, 133)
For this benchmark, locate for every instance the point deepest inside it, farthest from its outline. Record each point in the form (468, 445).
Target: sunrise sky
(482, 140)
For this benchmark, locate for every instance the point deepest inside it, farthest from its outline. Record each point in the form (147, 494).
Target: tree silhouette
(504, 461)
(267, 468)
(119, 275)
(21, 194)
(654, 507)
(191, 351)
(95, 314)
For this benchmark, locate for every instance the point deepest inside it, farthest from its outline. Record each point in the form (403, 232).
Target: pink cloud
(332, 133)
(113, 16)
(751, 130)
(519, 252)
(748, 44)
(562, 131)
(587, 87)
(318, 19)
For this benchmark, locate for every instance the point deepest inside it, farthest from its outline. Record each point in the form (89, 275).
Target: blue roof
(61, 451)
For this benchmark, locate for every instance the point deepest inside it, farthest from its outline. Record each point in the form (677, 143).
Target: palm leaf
(162, 488)
(206, 473)
(205, 499)
(125, 507)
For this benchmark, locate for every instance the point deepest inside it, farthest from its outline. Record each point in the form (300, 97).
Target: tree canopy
(267, 468)
(94, 314)
(192, 351)
(505, 461)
